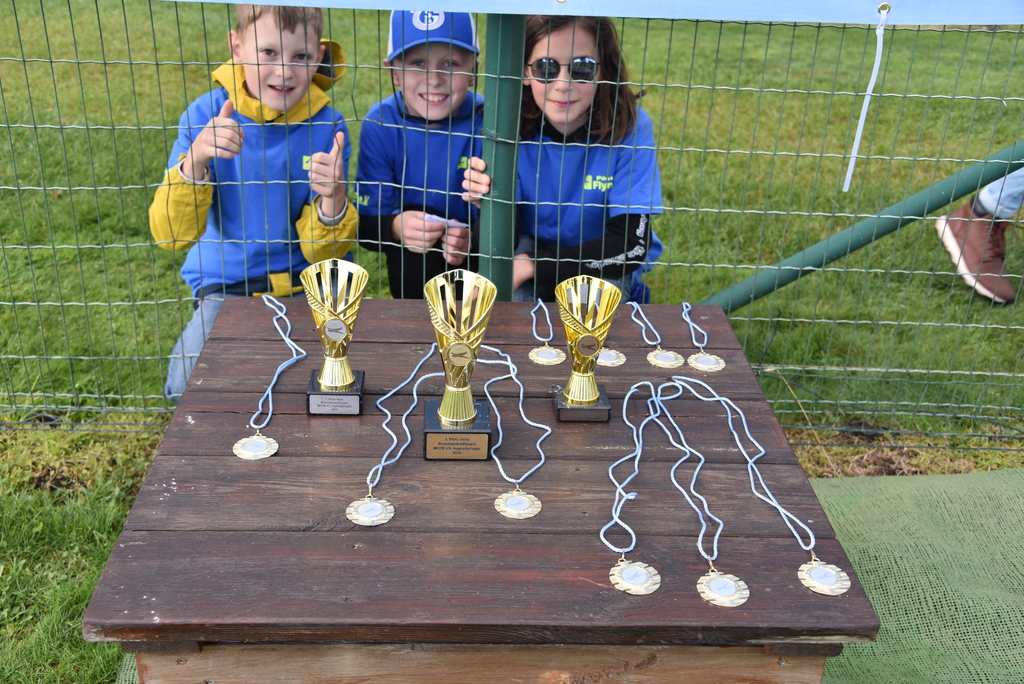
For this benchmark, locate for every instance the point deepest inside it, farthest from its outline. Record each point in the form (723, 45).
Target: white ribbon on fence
(883, 9)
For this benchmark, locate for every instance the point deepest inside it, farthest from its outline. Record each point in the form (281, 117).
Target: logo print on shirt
(305, 162)
(427, 21)
(463, 163)
(601, 183)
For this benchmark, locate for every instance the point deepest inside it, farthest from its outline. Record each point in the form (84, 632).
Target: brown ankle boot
(977, 244)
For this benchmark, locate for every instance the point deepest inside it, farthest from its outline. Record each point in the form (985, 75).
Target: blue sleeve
(375, 175)
(636, 160)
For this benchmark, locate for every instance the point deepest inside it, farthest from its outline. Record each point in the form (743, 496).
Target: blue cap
(409, 29)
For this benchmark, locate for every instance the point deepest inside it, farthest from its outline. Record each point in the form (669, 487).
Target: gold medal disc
(665, 359)
(517, 505)
(724, 590)
(254, 448)
(706, 362)
(823, 578)
(633, 577)
(547, 355)
(370, 511)
(610, 358)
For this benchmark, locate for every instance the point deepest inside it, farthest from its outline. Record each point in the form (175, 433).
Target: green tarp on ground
(942, 560)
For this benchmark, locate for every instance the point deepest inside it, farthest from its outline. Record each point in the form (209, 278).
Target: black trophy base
(598, 412)
(323, 403)
(462, 444)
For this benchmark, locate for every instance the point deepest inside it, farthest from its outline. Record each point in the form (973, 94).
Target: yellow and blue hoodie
(252, 225)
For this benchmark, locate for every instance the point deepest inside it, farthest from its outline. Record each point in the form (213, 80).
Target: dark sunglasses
(547, 69)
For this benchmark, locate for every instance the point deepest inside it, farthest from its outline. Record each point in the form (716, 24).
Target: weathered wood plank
(203, 493)
(407, 321)
(210, 424)
(461, 664)
(460, 588)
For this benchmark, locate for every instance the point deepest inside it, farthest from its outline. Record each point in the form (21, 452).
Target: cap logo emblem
(427, 21)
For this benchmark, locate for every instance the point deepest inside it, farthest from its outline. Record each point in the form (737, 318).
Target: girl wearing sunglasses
(588, 178)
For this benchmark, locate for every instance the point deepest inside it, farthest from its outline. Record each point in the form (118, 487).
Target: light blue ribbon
(656, 409)
(375, 472)
(645, 324)
(297, 353)
(879, 38)
(514, 374)
(694, 328)
(753, 471)
(533, 315)
(621, 495)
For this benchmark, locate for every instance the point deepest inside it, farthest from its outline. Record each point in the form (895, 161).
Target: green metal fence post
(870, 229)
(503, 73)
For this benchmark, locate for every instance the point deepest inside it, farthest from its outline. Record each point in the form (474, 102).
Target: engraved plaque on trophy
(456, 426)
(587, 306)
(334, 290)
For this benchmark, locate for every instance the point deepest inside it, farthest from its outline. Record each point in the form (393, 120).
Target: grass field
(63, 499)
(753, 122)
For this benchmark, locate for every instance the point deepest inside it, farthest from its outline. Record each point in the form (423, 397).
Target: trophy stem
(336, 374)
(457, 410)
(581, 390)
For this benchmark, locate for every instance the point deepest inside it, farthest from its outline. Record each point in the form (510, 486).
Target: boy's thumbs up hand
(327, 169)
(221, 138)
(327, 177)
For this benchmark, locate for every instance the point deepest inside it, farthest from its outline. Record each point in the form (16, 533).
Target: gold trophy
(587, 306)
(456, 427)
(334, 290)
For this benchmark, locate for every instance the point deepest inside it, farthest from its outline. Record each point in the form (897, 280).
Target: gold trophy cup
(587, 306)
(460, 304)
(334, 290)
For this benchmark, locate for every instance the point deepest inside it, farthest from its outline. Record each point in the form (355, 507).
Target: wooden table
(248, 571)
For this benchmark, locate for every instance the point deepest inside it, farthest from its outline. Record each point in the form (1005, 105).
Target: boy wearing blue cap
(255, 184)
(414, 147)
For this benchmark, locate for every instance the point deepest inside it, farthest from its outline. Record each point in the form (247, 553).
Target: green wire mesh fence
(753, 124)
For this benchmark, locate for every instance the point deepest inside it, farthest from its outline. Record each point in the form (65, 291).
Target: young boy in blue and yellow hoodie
(414, 146)
(255, 185)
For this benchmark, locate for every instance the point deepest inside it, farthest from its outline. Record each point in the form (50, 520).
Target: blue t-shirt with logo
(568, 190)
(407, 163)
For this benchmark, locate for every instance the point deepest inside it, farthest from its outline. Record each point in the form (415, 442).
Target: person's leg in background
(1003, 198)
(975, 237)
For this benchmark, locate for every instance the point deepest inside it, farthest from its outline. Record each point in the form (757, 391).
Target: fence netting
(751, 127)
